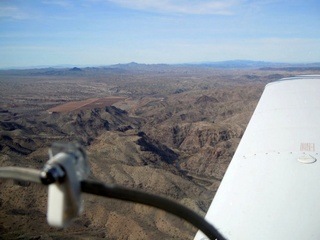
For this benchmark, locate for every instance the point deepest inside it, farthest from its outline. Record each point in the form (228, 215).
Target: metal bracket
(63, 172)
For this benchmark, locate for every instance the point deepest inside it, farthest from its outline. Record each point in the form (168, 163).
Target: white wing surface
(271, 189)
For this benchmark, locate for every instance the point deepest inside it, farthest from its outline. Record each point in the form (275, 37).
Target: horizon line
(70, 65)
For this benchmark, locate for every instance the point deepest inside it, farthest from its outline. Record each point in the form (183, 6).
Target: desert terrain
(167, 130)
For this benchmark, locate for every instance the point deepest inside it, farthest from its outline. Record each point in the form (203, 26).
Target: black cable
(118, 192)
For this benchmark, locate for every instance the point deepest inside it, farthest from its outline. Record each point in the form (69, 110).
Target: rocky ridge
(175, 136)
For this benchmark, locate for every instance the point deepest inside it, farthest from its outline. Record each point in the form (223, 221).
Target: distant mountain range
(231, 64)
(235, 64)
(255, 64)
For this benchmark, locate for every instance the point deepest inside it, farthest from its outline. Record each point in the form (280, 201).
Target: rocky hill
(174, 135)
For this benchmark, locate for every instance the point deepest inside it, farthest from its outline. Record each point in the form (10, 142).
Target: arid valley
(164, 129)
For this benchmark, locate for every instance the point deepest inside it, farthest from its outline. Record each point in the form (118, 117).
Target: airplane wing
(271, 189)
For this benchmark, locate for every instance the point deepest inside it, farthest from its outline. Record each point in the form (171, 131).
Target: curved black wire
(118, 192)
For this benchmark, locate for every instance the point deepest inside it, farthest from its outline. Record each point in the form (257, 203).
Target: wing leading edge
(271, 188)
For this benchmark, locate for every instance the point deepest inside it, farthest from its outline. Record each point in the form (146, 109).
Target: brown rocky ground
(174, 136)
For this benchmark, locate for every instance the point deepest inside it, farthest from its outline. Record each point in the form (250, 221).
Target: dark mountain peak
(75, 69)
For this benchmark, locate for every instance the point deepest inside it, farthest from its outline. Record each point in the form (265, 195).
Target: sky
(105, 32)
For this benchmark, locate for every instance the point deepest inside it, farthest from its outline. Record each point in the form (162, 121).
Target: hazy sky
(102, 32)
